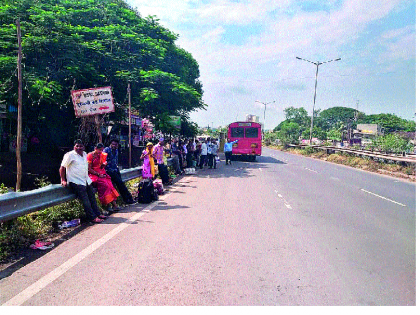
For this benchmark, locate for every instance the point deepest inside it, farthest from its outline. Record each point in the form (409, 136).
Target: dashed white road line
(400, 204)
(284, 200)
(36, 287)
(310, 170)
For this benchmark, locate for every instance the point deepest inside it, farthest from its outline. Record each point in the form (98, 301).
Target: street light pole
(317, 64)
(265, 107)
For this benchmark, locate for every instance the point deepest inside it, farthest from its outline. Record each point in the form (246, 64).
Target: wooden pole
(98, 128)
(19, 119)
(129, 125)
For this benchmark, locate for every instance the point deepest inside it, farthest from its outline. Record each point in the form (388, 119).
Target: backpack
(145, 192)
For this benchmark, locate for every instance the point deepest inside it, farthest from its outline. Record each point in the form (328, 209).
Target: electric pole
(19, 120)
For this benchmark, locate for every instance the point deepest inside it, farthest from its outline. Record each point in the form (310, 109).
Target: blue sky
(247, 51)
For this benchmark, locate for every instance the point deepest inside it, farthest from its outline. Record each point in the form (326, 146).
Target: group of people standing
(208, 153)
(99, 169)
(185, 153)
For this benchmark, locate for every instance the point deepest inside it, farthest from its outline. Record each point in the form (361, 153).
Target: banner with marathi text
(93, 101)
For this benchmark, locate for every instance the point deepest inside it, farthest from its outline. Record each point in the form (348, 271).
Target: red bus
(249, 139)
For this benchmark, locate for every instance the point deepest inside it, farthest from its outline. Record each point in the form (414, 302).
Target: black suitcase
(145, 191)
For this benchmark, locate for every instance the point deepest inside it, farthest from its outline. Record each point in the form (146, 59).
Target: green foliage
(3, 189)
(317, 132)
(392, 143)
(69, 44)
(295, 115)
(189, 129)
(390, 122)
(334, 134)
(330, 123)
(289, 133)
(271, 137)
(334, 117)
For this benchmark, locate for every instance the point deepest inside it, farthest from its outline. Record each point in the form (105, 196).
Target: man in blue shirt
(113, 171)
(228, 151)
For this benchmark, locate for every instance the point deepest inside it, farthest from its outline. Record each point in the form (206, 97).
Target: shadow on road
(168, 207)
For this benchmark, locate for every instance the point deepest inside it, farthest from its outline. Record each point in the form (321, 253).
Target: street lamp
(265, 106)
(317, 64)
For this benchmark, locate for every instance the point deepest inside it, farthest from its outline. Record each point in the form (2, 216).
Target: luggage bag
(145, 192)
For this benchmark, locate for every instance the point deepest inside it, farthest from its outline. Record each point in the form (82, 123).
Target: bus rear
(249, 139)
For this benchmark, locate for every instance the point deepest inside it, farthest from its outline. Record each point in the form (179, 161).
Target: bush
(392, 143)
(3, 189)
(308, 151)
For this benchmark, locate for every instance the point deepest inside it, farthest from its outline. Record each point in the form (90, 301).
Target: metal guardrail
(410, 158)
(16, 204)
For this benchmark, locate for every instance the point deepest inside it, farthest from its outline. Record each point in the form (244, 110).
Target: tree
(69, 44)
(317, 132)
(297, 115)
(390, 122)
(289, 133)
(335, 116)
(334, 134)
(188, 129)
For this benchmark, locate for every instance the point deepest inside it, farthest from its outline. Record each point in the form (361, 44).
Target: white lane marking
(400, 204)
(334, 178)
(36, 287)
(260, 169)
(284, 201)
(310, 170)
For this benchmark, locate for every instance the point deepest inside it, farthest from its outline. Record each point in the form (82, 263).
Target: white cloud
(240, 13)
(264, 66)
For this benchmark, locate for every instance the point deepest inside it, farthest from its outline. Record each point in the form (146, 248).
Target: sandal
(97, 220)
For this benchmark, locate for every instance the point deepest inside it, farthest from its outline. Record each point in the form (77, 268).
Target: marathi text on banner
(93, 101)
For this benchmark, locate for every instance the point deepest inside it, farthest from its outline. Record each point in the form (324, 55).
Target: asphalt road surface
(284, 230)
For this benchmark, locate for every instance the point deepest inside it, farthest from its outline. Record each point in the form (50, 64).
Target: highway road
(284, 230)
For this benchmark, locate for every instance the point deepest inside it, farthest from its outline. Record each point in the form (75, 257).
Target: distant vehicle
(249, 138)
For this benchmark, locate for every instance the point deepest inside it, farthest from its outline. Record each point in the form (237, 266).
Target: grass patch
(23, 231)
(336, 158)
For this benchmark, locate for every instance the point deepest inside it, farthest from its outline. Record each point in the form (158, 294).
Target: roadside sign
(93, 101)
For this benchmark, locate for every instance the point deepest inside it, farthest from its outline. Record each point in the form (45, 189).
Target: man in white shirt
(210, 155)
(74, 173)
(203, 157)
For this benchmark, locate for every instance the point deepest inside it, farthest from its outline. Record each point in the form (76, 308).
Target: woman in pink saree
(148, 169)
(101, 180)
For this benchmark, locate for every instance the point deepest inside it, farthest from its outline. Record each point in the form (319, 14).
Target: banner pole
(129, 125)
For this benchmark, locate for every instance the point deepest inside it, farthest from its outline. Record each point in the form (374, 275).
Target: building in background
(252, 118)
(367, 132)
